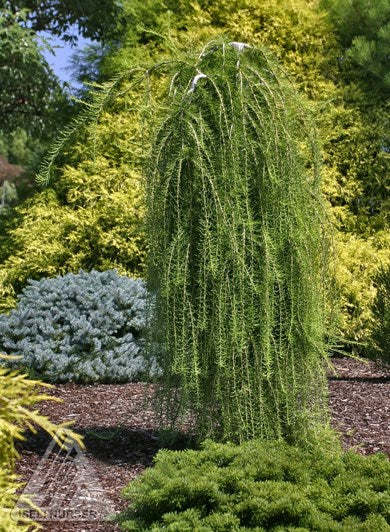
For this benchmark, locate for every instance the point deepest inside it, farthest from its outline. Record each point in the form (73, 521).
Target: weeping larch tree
(237, 250)
(237, 243)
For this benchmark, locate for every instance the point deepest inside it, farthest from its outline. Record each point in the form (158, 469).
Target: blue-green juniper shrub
(84, 327)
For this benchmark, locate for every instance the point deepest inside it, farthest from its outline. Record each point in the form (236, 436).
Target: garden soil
(120, 431)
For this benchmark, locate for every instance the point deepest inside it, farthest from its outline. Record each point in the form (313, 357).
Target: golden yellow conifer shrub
(18, 398)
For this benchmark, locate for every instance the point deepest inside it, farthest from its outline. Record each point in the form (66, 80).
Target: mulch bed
(121, 436)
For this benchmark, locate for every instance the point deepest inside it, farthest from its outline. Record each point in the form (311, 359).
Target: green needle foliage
(237, 250)
(260, 486)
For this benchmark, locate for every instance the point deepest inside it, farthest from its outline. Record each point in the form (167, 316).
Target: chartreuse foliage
(85, 327)
(357, 164)
(260, 486)
(91, 216)
(237, 249)
(381, 311)
(296, 32)
(18, 397)
(359, 259)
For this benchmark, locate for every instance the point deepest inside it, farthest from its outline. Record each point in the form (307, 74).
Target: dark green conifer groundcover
(260, 486)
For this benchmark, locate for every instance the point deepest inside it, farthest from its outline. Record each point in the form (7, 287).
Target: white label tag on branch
(195, 81)
(240, 46)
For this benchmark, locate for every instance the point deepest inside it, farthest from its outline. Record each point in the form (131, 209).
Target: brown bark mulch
(360, 405)
(121, 435)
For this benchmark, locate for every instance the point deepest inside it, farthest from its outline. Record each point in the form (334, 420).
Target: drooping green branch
(100, 98)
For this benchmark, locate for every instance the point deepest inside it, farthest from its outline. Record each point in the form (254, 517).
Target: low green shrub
(380, 340)
(260, 486)
(85, 327)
